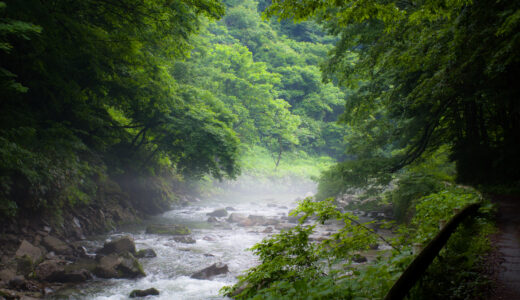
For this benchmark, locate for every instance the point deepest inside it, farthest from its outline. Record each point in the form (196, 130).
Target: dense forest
(406, 107)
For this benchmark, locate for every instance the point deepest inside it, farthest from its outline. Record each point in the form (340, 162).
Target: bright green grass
(257, 162)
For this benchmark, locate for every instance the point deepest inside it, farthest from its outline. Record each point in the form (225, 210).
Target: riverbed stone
(146, 253)
(236, 217)
(221, 212)
(119, 246)
(213, 270)
(358, 258)
(144, 293)
(173, 229)
(184, 239)
(257, 220)
(212, 220)
(48, 269)
(56, 245)
(119, 266)
(7, 274)
(27, 249)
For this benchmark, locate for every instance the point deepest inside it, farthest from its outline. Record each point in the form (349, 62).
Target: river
(170, 271)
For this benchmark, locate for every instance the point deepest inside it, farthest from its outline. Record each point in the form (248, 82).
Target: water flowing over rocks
(144, 293)
(168, 229)
(213, 270)
(146, 253)
(222, 212)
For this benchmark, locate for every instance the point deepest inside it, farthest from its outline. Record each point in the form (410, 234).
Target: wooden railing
(419, 265)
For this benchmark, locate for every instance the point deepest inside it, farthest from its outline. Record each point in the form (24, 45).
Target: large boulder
(222, 212)
(213, 270)
(118, 266)
(168, 229)
(118, 246)
(257, 220)
(48, 269)
(73, 276)
(56, 245)
(236, 217)
(27, 249)
(56, 271)
(144, 293)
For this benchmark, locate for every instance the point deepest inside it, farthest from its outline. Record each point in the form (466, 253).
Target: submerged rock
(118, 246)
(222, 212)
(230, 208)
(213, 270)
(212, 220)
(168, 229)
(184, 239)
(145, 253)
(144, 293)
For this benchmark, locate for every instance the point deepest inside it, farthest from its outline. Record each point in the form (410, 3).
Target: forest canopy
(424, 74)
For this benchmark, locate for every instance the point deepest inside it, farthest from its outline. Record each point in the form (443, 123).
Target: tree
(424, 74)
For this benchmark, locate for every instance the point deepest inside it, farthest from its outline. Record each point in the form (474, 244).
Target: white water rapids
(170, 271)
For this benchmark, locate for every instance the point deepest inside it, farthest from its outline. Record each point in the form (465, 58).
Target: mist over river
(219, 241)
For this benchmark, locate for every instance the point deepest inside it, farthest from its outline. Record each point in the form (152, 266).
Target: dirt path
(508, 245)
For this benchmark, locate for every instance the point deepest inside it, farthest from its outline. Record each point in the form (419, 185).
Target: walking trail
(508, 245)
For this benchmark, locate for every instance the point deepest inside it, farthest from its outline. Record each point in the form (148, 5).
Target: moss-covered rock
(168, 229)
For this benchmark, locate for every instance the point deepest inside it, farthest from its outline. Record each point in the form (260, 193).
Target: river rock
(257, 220)
(236, 217)
(168, 229)
(118, 266)
(268, 230)
(48, 269)
(56, 245)
(357, 258)
(283, 226)
(212, 220)
(118, 246)
(222, 212)
(230, 208)
(145, 253)
(56, 271)
(213, 270)
(7, 274)
(184, 239)
(27, 249)
(144, 293)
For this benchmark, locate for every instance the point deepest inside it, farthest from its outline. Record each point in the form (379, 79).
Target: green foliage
(98, 94)
(293, 267)
(423, 75)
